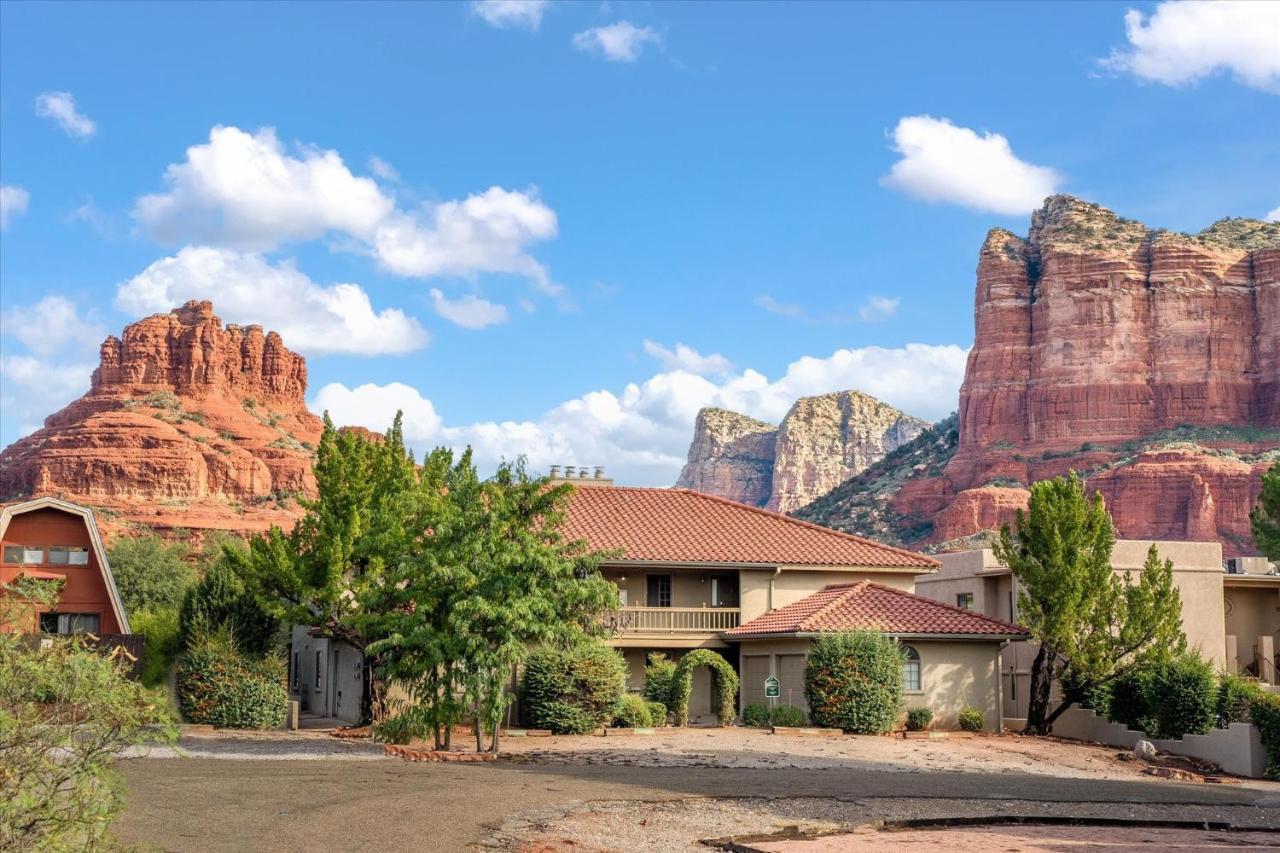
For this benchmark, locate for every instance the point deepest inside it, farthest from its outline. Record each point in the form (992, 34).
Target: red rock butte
(187, 425)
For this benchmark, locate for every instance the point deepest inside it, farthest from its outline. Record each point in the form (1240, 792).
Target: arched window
(911, 669)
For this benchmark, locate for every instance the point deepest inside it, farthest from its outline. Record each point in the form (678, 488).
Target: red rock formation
(187, 424)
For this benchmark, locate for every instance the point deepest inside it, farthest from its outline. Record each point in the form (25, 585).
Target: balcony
(677, 621)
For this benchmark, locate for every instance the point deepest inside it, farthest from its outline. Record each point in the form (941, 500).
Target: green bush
(1264, 712)
(401, 728)
(657, 713)
(918, 719)
(788, 716)
(150, 573)
(972, 720)
(220, 686)
(1235, 695)
(724, 686)
(659, 674)
(160, 630)
(854, 681)
(632, 713)
(756, 715)
(1182, 695)
(573, 691)
(1128, 702)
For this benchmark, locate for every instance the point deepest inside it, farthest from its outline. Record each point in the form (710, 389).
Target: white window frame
(913, 660)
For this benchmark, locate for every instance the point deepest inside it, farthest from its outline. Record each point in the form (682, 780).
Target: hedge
(573, 691)
(1235, 695)
(724, 686)
(657, 713)
(1182, 695)
(659, 675)
(218, 686)
(854, 681)
(632, 713)
(1264, 712)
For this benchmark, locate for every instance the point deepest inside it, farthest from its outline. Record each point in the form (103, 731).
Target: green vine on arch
(724, 686)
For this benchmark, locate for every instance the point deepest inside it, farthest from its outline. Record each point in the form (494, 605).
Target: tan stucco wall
(954, 674)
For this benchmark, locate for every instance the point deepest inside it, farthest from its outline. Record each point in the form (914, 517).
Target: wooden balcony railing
(672, 620)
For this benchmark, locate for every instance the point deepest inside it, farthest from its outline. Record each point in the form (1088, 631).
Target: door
(755, 669)
(724, 590)
(658, 590)
(791, 680)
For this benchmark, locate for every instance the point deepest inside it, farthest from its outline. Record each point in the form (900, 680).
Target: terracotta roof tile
(679, 525)
(868, 606)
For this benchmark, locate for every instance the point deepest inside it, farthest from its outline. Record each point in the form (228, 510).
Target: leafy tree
(150, 573)
(66, 713)
(220, 601)
(575, 690)
(1265, 518)
(854, 681)
(1092, 625)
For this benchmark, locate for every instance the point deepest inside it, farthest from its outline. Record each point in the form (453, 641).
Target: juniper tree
(1092, 624)
(1265, 518)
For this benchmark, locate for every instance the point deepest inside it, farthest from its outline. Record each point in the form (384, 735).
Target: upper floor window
(68, 555)
(911, 670)
(658, 590)
(70, 623)
(965, 600)
(24, 554)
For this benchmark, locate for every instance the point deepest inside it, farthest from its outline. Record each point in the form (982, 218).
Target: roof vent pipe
(569, 471)
(599, 472)
(555, 472)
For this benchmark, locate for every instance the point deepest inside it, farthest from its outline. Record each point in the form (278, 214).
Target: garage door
(755, 669)
(791, 680)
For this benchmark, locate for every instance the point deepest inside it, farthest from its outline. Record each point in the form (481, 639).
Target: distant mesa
(187, 424)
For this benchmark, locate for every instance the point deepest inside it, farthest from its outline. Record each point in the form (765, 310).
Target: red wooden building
(48, 538)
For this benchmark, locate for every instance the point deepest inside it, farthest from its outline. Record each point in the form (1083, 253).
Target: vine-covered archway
(724, 686)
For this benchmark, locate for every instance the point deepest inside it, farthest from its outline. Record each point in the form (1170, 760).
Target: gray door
(755, 669)
(791, 680)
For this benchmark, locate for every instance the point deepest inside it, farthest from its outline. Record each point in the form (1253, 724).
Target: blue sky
(560, 229)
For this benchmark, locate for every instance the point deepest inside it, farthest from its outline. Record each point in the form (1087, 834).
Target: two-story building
(50, 538)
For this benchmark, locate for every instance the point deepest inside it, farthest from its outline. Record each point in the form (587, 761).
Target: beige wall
(953, 675)
(1254, 614)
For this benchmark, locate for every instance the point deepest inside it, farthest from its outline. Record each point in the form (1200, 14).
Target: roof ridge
(847, 592)
(973, 614)
(809, 524)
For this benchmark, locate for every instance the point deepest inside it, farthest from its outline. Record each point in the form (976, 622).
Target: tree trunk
(1041, 686)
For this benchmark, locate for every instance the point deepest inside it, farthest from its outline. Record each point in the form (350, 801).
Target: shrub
(918, 719)
(657, 713)
(659, 674)
(972, 720)
(1235, 695)
(400, 728)
(724, 686)
(220, 602)
(854, 681)
(1264, 712)
(220, 686)
(151, 573)
(756, 715)
(1127, 703)
(632, 712)
(788, 716)
(1182, 696)
(573, 691)
(160, 630)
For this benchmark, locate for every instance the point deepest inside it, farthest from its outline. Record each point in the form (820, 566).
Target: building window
(32, 555)
(964, 600)
(911, 670)
(13, 553)
(658, 590)
(66, 555)
(70, 623)
(724, 590)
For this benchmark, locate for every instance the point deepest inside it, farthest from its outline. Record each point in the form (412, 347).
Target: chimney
(555, 472)
(599, 472)
(569, 472)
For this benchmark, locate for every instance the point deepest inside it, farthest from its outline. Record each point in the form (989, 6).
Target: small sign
(772, 689)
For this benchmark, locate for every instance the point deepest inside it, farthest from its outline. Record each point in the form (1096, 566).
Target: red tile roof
(871, 606)
(683, 526)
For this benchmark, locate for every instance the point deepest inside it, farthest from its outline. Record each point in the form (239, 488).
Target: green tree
(66, 713)
(1265, 518)
(150, 573)
(853, 681)
(220, 601)
(1092, 625)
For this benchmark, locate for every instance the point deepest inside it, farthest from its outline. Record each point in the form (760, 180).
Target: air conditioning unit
(1248, 566)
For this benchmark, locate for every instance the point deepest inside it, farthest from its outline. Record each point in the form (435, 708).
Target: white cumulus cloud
(248, 192)
(642, 432)
(468, 311)
(61, 107)
(511, 14)
(13, 202)
(246, 288)
(688, 359)
(620, 42)
(878, 308)
(52, 325)
(942, 162)
(1183, 41)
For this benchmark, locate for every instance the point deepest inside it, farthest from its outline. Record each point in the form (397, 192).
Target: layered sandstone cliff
(187, 424)
(820, 443)
(1149, 361)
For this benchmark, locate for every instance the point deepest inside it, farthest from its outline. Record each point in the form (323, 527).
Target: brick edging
(409, 753)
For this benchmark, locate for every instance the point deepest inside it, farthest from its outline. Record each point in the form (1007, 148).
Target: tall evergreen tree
(1092, 624)
(1265, 518)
